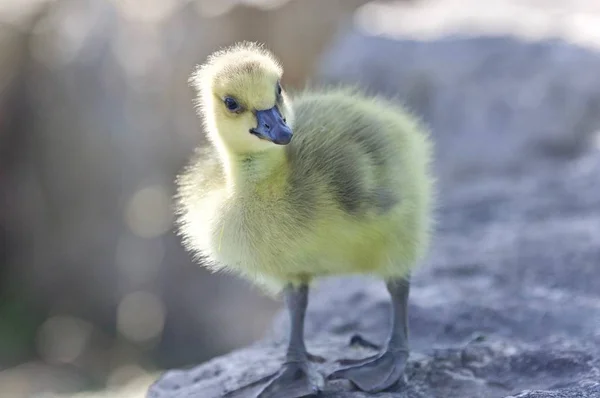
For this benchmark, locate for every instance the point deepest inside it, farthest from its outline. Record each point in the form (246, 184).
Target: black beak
(272, 127)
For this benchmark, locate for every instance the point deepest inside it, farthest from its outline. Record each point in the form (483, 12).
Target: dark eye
(232, 104)
(278, 88)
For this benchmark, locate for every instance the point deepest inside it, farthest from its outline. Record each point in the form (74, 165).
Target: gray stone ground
(508, 302)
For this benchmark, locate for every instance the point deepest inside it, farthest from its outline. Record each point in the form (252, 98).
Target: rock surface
(508, 304)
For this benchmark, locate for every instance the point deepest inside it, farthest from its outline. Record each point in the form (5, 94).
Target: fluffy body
(350, 194)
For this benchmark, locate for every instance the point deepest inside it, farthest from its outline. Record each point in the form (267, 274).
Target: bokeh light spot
(148, 212)
(61, 339)
(141, 316)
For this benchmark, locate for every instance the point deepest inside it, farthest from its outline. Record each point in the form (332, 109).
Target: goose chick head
(241, 101)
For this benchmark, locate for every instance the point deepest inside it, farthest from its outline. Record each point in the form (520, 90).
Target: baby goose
(327, 182)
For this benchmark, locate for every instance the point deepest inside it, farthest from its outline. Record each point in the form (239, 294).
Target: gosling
(328, 182)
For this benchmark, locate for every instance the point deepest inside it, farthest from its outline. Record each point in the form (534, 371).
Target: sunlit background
(96, 119)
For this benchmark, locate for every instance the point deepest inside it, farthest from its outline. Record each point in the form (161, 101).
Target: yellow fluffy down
(351, 194)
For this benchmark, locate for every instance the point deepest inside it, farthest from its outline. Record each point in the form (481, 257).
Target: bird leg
(296, 378)
(386, 369)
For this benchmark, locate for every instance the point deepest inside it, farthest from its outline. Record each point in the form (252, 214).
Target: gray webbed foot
(297, 378)
(294, 380)
(377, 373)
(358, 340)
(385, 370)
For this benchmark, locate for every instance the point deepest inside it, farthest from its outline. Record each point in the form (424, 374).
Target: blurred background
(96, 118)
